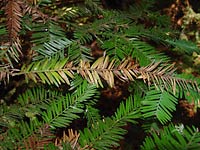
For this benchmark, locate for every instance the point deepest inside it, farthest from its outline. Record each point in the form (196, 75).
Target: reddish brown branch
(14, 14)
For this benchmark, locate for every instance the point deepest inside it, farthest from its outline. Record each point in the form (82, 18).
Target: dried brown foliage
(156, 73)
(71, 137)
(14, 14)
(40, 139)
(4, 73)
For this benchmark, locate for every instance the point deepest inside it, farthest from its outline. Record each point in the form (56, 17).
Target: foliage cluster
(56, 57)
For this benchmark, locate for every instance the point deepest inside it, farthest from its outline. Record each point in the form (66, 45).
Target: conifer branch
(70, 138)
(14, 14)
(57, 72)
(4, 73)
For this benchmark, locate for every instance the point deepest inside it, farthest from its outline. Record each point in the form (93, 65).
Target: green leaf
(187, 47)
(53, 48)
(159, 104)
(173, 137)
(64, 110)
(106, 133)
(50, 71)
